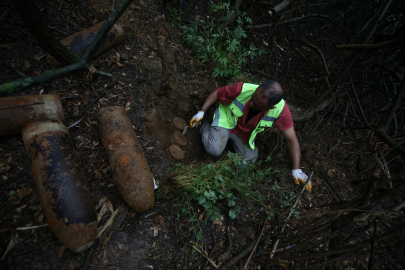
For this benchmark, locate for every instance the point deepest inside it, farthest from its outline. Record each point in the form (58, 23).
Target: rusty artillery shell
(130, 168)
(62, 187)
(17, 112)
(80, 41)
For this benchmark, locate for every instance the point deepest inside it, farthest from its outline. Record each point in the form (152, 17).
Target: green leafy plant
(174, 17)
(201, 186)
(214, 42)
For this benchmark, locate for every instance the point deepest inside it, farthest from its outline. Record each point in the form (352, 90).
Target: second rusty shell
(80, 42)
(61, 185)
(130, 168)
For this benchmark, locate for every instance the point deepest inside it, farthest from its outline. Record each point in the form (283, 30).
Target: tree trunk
(34, 21)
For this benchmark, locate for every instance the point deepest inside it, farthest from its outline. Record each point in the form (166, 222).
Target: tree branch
(393, 42)
(313, 47)
(300, 19)
(396, 100)
(47, 76)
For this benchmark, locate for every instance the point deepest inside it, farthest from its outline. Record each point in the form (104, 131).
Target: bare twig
(31, 227)
(205, 256)
(94, 101)
(86, 264)
(313, 47)
(393, 42)
(238, 257)
(289, 215)
(75, 123)
(212, 250)
(258, 240)
(372, 250)
(299, 19)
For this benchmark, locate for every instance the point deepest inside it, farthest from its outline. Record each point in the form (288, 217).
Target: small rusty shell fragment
(17, 112)
(61, 185)
(130, 168)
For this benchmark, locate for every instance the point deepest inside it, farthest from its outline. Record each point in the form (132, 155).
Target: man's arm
(210, 100)
(293, 146)
(196, 120)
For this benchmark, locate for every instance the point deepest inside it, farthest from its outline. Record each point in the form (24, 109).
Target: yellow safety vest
(227, 116)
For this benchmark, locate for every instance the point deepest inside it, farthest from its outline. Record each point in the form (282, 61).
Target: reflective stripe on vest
(227, 116)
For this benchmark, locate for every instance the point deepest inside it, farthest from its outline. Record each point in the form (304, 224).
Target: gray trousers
(214, 140)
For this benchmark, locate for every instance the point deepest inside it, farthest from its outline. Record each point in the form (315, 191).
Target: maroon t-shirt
(243, 130)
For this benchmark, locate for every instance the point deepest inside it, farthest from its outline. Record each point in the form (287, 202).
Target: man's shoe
(198, 135)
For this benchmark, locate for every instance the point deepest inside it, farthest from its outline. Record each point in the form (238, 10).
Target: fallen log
(276, 9)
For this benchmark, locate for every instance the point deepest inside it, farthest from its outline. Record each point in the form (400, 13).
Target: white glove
(196, 120)
(300, 177)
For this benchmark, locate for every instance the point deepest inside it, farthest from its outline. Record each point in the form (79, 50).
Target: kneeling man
(246, 109)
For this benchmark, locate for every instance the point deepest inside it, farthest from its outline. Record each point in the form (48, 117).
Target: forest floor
(160, 76)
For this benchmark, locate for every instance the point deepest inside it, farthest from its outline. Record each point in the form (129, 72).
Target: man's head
(268, 94)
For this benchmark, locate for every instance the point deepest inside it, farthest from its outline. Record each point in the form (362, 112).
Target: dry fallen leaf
(97, 175)
(4, 167)
(24, 192)
(40, 218)
(226, 256)
(13, 242)
(128, 106)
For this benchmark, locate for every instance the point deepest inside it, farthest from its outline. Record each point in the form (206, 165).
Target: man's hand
(300, 177)
(196, 120)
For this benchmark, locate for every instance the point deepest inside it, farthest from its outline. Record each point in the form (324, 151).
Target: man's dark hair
(272, 90)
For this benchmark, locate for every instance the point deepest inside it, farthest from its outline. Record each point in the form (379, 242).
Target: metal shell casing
(61, 185)
(80, 41)
(131, 171)
(17, 112)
